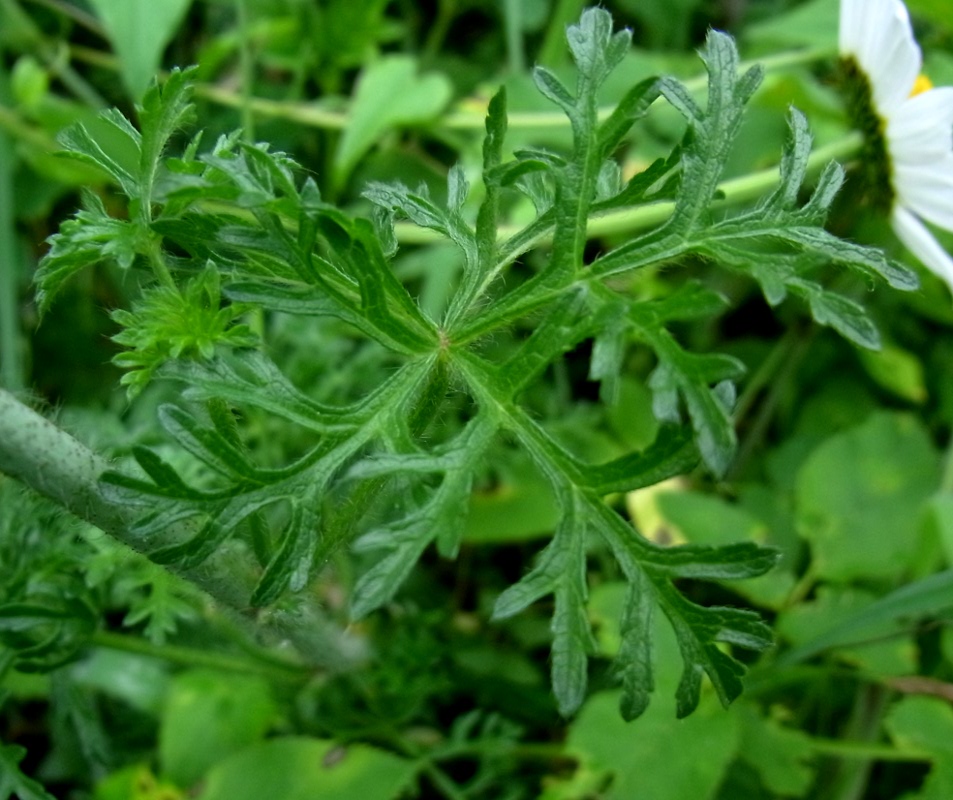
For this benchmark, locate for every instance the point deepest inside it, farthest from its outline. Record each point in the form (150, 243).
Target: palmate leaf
(369, 471)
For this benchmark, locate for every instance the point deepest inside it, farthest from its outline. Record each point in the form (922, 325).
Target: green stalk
(736, 190)
(11, 363)
(513, 25)
(54, 464)
(247, 70)
(307, 113)
(553, 50)
(194, 657)
(866, 751)
(446, 9)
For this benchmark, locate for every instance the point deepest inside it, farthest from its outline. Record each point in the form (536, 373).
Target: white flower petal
(853, 23)
(922, 244)
(879, 35)
(922, 129)
(918, 129)
(927, 190)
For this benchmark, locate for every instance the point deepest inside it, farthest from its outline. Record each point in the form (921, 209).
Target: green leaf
(561, 571)
(930, 596)
(595, 48)
(606, 747)
(926, 723)
(290, 567)
(251, 378)
(691, 376)
(551, 87)
(165, 108)
(14, 785)
(298, 768)
(898, 371)
(208, 445)
(389, 94)
(442, 515)
(699, 630)
(89, 238)
(572, 635)
(859, 495)
(79, 144)
(780, 755)
(636, 648)
(207, 717)
(139, 34)
(631, 107)
(672, 453)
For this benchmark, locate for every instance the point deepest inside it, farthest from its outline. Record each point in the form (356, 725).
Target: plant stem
(867, 751)
(159, 267)
(313, 115)
(54, 464)
(248, 71)
(78, 16)
(946, 483)
(439, 28)
(513, 25)
(553, 50)
(194, 657)
(11, 363)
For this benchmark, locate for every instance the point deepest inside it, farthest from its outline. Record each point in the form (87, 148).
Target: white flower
(913, 124)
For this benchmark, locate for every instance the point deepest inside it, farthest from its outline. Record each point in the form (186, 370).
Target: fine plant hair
(233, 231)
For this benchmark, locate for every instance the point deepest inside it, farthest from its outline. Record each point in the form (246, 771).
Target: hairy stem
(54, 464)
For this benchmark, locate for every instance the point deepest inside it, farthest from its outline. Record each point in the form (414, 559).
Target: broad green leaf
(708, 519)
(298, 768)
(926, 724)
(518, 508)
(390, 93)
(898, 371)
(139, 34)
(135, 781)
(209, 716)
(859, 496)
(780, 755)
(633, 754)
(810, 24)
(140, 681)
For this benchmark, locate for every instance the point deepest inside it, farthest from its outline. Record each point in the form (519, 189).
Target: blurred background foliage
(134, 686)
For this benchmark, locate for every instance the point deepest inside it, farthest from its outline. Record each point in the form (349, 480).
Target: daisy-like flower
(907, 125)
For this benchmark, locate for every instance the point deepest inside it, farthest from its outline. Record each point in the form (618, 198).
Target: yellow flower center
(921, 85)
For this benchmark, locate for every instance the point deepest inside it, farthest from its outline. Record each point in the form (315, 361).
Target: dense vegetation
(463, 399)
